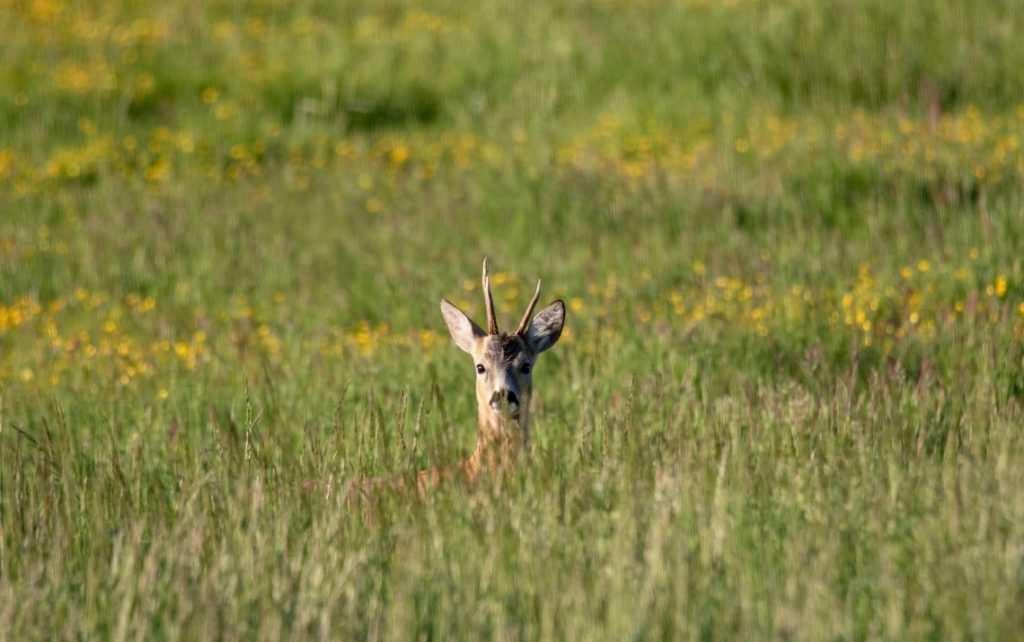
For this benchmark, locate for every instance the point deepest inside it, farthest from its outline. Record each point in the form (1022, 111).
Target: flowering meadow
(788, 402)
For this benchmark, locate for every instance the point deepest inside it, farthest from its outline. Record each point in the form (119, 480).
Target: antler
(492, 321)
(525, 323)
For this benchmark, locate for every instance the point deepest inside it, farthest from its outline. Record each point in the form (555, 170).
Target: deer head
(503, 365)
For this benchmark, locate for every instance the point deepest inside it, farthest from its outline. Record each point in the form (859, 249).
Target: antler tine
(525, 323)
(492, 321)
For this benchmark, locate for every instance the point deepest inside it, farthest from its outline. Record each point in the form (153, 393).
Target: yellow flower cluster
(83, 77)
(54, 21)
(952, 150)
(922, 301)
(368, 340)
(87, 334)
(92, 336)
(386, 164)
(21, 310)
(100, 157)
(123, 340)
(962, 148)
(688, 4)
(412, 23)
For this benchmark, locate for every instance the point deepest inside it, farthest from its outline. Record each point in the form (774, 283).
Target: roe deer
(503, 363)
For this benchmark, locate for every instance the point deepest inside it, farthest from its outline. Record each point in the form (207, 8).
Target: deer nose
(500, 397)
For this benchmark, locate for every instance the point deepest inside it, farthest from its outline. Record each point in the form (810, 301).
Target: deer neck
(500, 442)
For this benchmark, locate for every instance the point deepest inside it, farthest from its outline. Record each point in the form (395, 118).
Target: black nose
(512, 398)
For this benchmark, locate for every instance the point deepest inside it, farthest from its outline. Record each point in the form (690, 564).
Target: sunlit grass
(787, 402)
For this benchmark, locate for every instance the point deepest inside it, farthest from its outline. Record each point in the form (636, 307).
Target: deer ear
(464, 331)
(546, 327)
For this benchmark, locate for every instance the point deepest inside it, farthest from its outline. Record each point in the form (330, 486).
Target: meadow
(788, 402)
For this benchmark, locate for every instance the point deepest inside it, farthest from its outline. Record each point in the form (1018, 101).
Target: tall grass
(787, 404)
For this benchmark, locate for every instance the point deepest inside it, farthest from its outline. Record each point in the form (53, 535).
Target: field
(788, 403)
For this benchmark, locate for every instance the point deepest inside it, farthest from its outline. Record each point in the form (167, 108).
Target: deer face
(503, 366)
(503, 362)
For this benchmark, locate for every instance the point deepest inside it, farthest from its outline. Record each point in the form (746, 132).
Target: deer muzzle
(505, 401)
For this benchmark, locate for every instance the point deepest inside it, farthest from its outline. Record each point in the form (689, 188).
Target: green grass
(790, 396)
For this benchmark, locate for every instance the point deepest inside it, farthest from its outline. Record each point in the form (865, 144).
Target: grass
(787, 403)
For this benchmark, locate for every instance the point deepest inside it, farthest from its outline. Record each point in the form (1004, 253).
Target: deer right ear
(464, 331)
(546, 327)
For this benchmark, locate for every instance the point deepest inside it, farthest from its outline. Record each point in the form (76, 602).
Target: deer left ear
(464, 331)
(546, 327)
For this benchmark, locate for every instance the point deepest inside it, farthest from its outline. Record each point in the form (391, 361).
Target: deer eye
(525, 369)
(480, 369)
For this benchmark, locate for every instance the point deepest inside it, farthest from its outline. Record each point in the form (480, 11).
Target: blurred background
(300, 172)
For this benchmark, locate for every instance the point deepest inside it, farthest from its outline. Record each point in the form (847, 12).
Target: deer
(503, 363)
